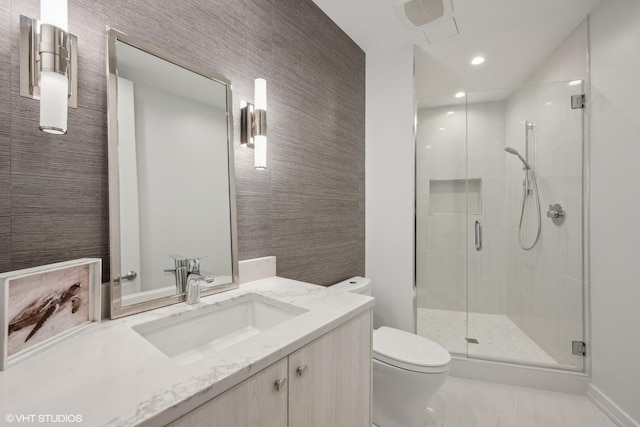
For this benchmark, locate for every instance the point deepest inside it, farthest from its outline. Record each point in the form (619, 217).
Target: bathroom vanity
(324, 383)
(312, 367)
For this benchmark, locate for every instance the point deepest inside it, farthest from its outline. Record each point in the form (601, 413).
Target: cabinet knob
(281, 384)
(301, 370)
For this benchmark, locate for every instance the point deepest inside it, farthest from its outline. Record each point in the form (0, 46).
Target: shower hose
(524, 201)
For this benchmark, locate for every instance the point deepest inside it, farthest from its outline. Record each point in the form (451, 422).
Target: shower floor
(498, 336)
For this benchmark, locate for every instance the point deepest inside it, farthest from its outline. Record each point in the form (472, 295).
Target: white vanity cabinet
(330, 378)
(328, 383)
(253, 402)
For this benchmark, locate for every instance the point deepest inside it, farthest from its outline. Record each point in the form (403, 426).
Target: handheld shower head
(515, 153)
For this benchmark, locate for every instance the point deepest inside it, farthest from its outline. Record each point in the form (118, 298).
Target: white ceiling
(515, 36)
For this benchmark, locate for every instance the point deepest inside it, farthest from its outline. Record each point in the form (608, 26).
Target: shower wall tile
(550, 335)
(493, 192)
(572, 304)
(445, 136)
(468, 143)
(422, 224)
(568, 61)
(494, 269)
(539, 299)
(550, 267)
(307, 208)
(422, 294)
(498, 288)
(515, 304)
(571, 233)
(446, 270)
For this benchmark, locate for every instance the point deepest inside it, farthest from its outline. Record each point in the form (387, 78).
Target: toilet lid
(409, 351)
(358, 285)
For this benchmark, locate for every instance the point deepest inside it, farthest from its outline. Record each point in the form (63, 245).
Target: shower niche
(455, 196)
(494, 300)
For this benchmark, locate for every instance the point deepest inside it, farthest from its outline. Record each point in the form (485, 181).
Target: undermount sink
(196, 334)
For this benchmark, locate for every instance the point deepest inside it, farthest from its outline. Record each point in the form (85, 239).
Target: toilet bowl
(407, 370)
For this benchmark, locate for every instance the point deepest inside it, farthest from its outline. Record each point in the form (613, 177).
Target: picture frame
(45, 305)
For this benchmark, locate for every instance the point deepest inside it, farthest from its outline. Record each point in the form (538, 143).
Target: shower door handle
(478, 236)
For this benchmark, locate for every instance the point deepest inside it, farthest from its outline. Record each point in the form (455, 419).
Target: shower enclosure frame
(471, 360)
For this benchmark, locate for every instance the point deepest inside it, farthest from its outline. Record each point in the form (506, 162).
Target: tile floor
(499, 338)
(468, 403)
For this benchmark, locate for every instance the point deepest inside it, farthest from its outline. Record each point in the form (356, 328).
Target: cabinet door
(253, 402)
(330, 378)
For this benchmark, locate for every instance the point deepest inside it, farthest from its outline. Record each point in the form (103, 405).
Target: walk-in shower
(495, 279)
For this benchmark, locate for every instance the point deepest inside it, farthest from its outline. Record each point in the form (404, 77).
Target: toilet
(407, 369)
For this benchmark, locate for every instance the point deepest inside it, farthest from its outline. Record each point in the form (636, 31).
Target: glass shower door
(526, 291)
(441, 218)
(497, 280)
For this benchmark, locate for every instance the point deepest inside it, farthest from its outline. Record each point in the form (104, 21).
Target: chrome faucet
(194, 280)
(180, 272)
(188, 277)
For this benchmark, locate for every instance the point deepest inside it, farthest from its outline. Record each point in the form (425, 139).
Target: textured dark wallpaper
(307, 208)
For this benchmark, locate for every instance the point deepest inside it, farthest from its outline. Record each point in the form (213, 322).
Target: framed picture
(44, 305)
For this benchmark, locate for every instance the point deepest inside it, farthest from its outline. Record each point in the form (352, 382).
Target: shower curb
(522, 376)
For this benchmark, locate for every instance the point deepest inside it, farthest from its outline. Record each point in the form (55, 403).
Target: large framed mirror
(171, 177)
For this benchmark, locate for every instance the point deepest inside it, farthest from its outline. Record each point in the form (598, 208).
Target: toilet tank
(357, 284)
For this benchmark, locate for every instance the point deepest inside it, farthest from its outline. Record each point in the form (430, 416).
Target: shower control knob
(556, 213)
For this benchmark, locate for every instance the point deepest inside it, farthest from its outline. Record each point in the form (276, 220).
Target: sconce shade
(260, 160)
(54, 88)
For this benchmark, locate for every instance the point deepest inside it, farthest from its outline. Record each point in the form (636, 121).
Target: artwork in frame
(44, 305)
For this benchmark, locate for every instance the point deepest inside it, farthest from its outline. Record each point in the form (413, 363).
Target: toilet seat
(409, 351)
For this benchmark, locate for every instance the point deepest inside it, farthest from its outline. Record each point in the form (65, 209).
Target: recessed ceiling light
(477, 60)
(460, 94)
(575, 82)
(449, 113)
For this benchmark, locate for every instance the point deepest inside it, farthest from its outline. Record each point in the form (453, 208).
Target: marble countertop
(109, 375)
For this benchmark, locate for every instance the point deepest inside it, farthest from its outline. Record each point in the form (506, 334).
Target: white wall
(390, 185)
(615, 208)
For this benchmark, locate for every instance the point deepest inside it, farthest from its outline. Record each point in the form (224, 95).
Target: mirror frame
(116, 308)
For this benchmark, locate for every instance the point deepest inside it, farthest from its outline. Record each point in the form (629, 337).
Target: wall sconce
(48, 64)
(253, 124)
